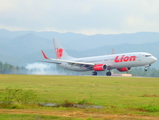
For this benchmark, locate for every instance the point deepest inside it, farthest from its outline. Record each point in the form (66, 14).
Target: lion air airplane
(122, 62)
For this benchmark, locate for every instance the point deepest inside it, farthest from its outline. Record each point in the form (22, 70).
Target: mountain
(25, 44)
(23, 47)
(84, 42)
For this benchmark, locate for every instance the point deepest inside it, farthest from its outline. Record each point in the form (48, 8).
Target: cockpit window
(147, 55)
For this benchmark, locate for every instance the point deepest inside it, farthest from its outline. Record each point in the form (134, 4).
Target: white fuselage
(113, 61)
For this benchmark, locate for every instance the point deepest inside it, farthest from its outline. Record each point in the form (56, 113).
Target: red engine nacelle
(123, 69)
(99, 67)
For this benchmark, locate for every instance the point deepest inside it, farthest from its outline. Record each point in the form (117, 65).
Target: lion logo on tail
(59, 52)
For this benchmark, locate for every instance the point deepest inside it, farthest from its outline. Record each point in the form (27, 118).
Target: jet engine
(123, 69)
(99, 67)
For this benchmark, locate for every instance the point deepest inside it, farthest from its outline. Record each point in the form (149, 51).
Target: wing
(74, 63)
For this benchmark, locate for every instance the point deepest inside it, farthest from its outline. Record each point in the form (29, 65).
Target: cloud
(82, 16)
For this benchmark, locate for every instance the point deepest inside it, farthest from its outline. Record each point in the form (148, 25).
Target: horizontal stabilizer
(50, 62)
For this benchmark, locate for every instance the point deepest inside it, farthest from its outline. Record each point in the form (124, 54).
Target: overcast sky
(80, 16)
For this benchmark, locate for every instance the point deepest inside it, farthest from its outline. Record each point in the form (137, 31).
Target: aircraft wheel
(108, 73)
(145, 69)
(94, 73)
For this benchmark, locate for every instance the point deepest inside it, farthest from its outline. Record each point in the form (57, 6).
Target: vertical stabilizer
(60, 51)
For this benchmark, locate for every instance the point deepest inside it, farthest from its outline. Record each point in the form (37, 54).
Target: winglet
(44, 55)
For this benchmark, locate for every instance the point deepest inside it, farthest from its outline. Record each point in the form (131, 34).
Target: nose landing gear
(146, 67)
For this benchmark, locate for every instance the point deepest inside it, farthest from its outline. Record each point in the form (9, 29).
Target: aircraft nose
(155, 59)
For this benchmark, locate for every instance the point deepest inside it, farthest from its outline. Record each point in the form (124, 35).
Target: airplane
(122, 62)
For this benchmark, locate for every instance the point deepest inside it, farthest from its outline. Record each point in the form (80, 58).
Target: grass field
(122, 97)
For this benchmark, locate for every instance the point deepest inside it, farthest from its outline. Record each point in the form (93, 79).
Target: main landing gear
(108, 73)
(94, 73)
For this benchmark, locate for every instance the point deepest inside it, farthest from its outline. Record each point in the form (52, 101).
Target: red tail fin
(60, 51)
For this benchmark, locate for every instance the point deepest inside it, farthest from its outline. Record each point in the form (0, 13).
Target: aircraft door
(139, 58)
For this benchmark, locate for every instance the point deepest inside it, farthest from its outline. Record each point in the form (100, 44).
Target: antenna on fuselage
(112, 51)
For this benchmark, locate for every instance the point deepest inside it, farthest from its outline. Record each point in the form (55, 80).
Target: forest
(6, 68)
